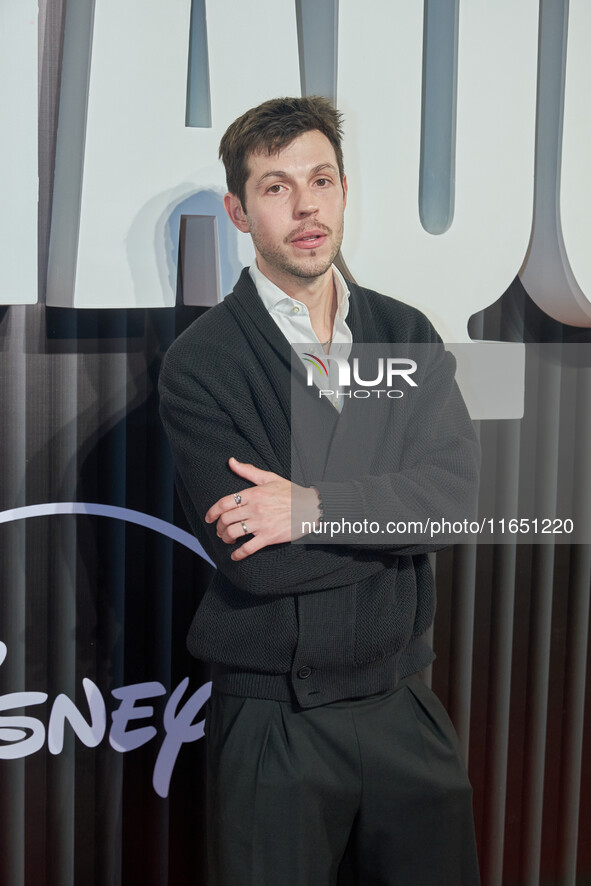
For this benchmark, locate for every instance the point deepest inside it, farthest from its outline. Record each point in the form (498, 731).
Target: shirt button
(304, 672)
(296, 309)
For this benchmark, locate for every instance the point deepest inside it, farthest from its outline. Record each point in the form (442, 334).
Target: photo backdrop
(476, 212)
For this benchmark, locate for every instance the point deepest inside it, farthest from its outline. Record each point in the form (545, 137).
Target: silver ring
(237, 499)
(244, 529)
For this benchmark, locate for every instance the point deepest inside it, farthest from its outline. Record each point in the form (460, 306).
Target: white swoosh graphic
(98, 510)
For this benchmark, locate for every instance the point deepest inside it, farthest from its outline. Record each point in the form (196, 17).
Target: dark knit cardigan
(312, 623)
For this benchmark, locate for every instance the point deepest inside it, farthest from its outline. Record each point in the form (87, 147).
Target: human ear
(236, 213)
(345, 189)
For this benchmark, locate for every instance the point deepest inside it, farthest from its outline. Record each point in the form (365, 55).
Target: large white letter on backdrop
(18, 151)
(557, 273)
(451, 275)
(575, 191)
(127, 166)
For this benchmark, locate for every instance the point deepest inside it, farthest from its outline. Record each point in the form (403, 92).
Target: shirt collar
(275, 298)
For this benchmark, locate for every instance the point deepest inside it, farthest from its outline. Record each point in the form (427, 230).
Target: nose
(305, 202)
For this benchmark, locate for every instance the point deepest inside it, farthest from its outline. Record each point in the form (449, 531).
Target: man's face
(295, 203)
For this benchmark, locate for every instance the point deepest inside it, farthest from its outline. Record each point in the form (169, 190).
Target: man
(327, 756)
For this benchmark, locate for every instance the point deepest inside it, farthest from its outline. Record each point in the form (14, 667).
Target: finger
(234, 532)
(223, 506)
(234, 517)
(249, 472)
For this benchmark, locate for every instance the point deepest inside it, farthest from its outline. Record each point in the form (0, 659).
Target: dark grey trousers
(371, 792)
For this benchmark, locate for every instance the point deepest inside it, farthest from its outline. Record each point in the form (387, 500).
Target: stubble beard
(305, 270)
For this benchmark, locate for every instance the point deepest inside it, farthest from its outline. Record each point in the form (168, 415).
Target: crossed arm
(437, 475)
(203, 435)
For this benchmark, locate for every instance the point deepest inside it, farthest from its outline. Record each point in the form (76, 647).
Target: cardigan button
(304, 672)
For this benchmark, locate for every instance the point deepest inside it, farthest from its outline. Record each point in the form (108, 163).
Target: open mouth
(309, 240)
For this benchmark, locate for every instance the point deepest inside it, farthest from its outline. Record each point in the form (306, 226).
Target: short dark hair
(271, 127)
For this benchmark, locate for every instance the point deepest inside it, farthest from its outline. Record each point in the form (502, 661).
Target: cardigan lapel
(273, 353)
(262, 333)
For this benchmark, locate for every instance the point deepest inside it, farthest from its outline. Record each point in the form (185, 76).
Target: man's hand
(267, 511)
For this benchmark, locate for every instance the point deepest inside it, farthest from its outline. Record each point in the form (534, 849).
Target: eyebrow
(280, 173)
